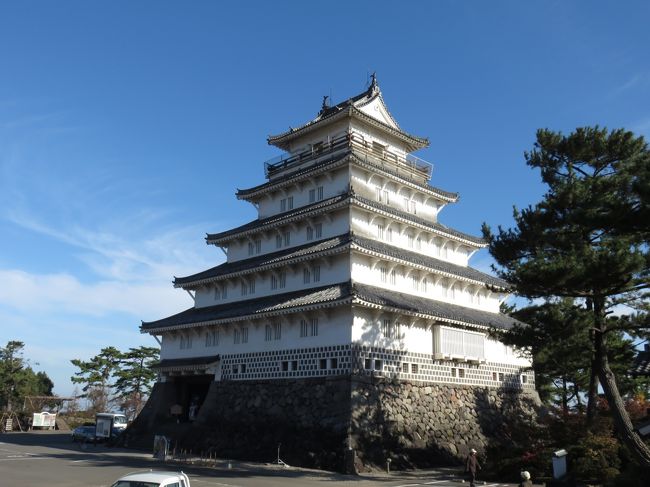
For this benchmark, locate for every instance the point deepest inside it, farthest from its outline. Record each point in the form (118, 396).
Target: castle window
(524, 379)
(286, 203)
(453, 372)
(425, 285)
(268, 333)
(310, 233)
(411, 240)
(243, 368)
(312, 195)
(212, 338)
(389, 235)
(461, 373)
(316, 194)
(334, 363)
(313, 325)
(415, 283)
(277, 331)
(414, 368)
(367, 364)
(244, 335)
(186, 342)
(318, 228)
(494, 376)
(294, 365)
(393, 277)
(500, 376)
(380, 231)
(235, 369)
(405, 367)
(322, 363)
(379, 365)
(462, 344)
(383, 274)
(244, 288)
(251, 286)
(278, 241)
(303, 328)
(285, 366)
(287, 238)
(306, 276)
(283, 280)
(251, 248)
(274, 282)
(316, 273)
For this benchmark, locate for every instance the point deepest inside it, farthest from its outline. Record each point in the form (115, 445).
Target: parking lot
(52, 459)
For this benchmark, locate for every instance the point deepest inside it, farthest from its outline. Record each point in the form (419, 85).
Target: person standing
(472, 466)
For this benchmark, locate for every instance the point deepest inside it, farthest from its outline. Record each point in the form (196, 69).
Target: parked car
(153, 479)
(83, 433)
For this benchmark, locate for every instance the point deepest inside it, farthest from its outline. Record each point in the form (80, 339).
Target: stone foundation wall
(316, 420)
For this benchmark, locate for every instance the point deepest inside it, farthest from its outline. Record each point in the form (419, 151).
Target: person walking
(525, 480)
(472, 466)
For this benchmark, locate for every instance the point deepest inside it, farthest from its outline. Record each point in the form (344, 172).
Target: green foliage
(135, 378)
(18, 379)
(596, 457)
(587, 239)
(128, 375)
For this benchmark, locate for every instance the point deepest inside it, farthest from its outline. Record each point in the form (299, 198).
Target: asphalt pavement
(51, 459)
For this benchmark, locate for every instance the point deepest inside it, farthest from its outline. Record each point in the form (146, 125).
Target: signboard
(44, 420)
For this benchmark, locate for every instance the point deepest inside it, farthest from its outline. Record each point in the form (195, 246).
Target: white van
(108, 425)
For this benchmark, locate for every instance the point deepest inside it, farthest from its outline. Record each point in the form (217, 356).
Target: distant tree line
(18, 379)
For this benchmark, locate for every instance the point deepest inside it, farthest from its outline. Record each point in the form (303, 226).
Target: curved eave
(252, 316)
(274, 265)
(284, 140)
(405, 218)
(252, 194)
(360, 301)
(380, 255)
(296, 215)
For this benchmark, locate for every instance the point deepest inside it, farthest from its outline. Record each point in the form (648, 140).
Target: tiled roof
(331, 296)
(420, 221)
(334, 202)
(430, 262)
(429, 307)
(334, 245)
(262, 261)
(641, 365)
(279, 218)
(184, 363)
(337, 160)
(251, 308)
(349, 107)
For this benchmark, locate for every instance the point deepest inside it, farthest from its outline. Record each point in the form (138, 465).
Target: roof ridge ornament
(325, 106)
(374, 86)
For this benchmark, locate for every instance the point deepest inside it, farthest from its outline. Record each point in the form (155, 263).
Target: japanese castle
(346, 282)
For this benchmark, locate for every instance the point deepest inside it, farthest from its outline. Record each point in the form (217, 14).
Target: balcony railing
(409, 164)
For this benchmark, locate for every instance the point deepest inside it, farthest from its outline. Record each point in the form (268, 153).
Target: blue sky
(126, 127)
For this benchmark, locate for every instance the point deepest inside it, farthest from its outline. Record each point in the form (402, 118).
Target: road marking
(24, 458)
(435, 482)
(212, 483)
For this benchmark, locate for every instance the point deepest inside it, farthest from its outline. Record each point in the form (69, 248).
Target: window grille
(306, 276)
(383, 274)
(319, 230)
(287, 238)
(316, 273)
(310, 233)
(380, 231)
(312, 195)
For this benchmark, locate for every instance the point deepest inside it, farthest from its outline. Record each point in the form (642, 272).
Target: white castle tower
(346, 273)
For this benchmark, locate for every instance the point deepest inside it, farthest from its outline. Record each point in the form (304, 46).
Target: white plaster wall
(394, 194)
(410, 237)
(333, 184)
(324, 134)
(367, 270)
(366, 331)
(333, 270)
(334, 328)
(498, 352)
(334, 223)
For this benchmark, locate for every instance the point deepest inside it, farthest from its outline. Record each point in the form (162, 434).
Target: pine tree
(586, 240)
